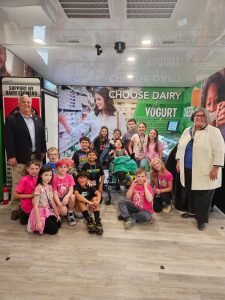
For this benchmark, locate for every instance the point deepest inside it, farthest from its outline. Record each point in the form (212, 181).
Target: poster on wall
(83, 110)
(213, 99)
(14, 87)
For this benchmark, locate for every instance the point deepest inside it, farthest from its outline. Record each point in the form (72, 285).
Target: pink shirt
(139, 199)
(26, 185)
(62, 185)
(150, 152)
(163, 180)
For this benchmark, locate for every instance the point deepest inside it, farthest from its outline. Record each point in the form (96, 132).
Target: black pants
(199, 201)
(161, 201)
(23, 217)
(52, 225)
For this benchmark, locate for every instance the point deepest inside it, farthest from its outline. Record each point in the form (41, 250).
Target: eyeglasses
(199, 116)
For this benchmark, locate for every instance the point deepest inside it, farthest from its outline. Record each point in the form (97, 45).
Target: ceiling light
(146, 42)
(130, 76)
(39, 34)
(131, 58)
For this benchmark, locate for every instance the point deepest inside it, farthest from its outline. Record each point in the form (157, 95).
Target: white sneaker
(167, 209)
(71, 218)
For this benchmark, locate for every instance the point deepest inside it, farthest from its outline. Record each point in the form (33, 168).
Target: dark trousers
(161, 201)
(199, 201)
(52, 225)
(23, 217)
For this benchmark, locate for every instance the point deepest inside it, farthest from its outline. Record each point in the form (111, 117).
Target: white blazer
(208, 150)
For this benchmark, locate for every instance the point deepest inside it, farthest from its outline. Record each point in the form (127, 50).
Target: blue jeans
(128, 209)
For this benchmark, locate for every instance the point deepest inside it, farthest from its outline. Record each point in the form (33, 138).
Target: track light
(120, 47)
(99, 50)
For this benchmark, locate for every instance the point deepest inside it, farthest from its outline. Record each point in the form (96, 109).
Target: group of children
(57, 189)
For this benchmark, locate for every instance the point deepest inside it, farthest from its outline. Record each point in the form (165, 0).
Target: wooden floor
(166, 259)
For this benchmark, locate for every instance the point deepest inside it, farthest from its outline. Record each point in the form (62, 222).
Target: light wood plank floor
(122, 264)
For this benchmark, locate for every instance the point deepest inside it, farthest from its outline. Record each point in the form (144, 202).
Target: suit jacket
(17, 138)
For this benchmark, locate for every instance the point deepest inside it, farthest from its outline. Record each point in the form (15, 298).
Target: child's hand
(92, 204)
(146, 184)
(65, 200)
(134, 183)
(158, 191)
(39, 226)
(89, 183)
(58, 219)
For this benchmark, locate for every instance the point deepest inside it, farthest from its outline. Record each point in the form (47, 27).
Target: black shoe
(90, 225)
(201, 226)
(98, 227)
(120, 218)
(108, 202)
(187, 215)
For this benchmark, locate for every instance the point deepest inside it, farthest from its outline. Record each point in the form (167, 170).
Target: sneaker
(120, 218)
(108, 202)
(129, 222)
(71, 218)
(98, 227)
(167, 209)
(90, 225)
(15, 215)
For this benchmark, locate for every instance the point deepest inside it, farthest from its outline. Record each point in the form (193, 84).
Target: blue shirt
(30, 125)
(188, 153)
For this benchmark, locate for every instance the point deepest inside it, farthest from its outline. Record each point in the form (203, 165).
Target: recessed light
(131, 58)
(130, 76)
(146, 42)
(38, 41)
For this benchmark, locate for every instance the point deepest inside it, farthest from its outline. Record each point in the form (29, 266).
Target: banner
(80, 106)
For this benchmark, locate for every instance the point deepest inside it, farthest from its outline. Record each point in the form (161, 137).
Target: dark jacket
(18, 141)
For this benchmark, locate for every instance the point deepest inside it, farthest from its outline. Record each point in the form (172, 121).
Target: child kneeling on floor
(88, 200)
(162, 182)
(139, 209)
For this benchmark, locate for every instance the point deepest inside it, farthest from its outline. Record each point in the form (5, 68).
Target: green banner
(162, 106)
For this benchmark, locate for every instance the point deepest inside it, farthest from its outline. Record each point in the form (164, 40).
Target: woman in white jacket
(104, 114)
(200, 156)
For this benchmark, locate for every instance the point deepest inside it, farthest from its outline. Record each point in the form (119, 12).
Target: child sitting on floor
(88, 200)
(44, 216)
(139, 209)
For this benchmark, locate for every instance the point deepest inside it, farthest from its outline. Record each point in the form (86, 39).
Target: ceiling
(188, 40)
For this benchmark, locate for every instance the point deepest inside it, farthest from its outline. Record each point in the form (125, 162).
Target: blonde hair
(141, 170)
(153, 172)
(52, 149)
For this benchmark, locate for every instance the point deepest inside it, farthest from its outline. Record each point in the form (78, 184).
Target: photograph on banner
(213, 99)
(84, 110)
(10, 105)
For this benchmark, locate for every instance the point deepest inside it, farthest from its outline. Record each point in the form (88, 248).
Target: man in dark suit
(24, 137)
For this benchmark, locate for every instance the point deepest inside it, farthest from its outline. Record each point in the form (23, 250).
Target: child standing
(137, 145)
(63, 191)
(53, 156)
(80, 156)
(95, 171)
(139, 209)
(101, 142)
(162, 181)
(44, 216)
(131, 126)
(153, 147)
(25, 190)
(88, 199)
